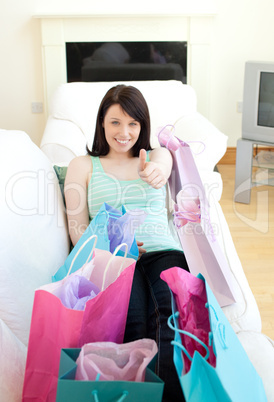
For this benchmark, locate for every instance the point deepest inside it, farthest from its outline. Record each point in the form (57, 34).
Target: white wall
(243, 31)
(20, 68)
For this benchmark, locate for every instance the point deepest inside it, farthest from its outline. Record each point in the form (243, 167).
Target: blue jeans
(149, 309)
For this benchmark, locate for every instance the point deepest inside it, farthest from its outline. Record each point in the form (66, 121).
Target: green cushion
(61, 172)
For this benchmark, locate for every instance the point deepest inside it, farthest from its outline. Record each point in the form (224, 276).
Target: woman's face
(121, 130)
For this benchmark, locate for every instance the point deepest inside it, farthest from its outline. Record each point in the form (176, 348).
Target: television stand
(244, 169)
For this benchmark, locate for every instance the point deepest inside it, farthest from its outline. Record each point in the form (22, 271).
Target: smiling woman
(122, 169)
(120, 148)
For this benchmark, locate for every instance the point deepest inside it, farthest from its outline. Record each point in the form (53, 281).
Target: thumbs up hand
(142, 160)
(151, 172)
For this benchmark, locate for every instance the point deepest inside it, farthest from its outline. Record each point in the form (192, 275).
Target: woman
(121, 169)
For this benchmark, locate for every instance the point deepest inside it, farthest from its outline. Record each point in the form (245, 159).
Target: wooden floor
(252, 229)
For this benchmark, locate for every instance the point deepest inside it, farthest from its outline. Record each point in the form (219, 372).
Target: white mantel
(194, 27)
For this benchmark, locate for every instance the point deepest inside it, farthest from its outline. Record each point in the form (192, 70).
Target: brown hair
(134, 104)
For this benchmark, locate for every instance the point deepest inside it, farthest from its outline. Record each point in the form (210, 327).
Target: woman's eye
(133, 124)
(115, 123)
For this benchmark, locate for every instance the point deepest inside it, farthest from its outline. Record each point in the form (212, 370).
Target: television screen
(126, 61)
(266, 100)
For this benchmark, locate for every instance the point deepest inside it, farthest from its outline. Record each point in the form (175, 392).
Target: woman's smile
(124, 142)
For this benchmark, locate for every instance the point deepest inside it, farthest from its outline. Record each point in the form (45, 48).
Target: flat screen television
(258, 102)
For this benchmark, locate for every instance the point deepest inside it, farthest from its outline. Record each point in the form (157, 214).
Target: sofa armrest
(34, 236)
(13, 359)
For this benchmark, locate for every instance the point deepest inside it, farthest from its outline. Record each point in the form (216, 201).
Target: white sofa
(34, 238)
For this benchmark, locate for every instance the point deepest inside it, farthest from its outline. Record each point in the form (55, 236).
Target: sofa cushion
(207, 143)
(61, 172)
(33, 237)
(260, 350)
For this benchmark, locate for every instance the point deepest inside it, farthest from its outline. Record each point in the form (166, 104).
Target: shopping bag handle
(110, 260)
(122, 397)
(181, 331)
(109, 214)
(220, 327)
(172, 142)
(80, 249)
(175, 328)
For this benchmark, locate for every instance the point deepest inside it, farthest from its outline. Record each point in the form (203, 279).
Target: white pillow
(33, 237)
(62, 141)
(207, 143)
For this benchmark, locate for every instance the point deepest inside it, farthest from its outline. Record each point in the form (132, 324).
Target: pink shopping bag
(54, 326)
(191, 298)
(192, 220)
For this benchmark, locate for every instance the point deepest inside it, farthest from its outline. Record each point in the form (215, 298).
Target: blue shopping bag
(233, 378)
(107, 230)
(70, 390)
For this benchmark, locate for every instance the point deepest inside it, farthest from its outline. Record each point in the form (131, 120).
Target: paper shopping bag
(71, 390)
(203, 252)
(112, 361)
(230, 375)
(192, 220)
(111, 227)
(184, 172)
(54, 326)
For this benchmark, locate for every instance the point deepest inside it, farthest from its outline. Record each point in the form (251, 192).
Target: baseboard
(229, 157)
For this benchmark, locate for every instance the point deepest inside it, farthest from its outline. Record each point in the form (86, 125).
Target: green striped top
(134, 195)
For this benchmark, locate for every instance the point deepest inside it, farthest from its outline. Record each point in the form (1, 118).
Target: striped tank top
(138, 197)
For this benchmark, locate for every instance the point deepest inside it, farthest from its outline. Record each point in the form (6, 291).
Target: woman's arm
(157, 171)
(75, 190)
